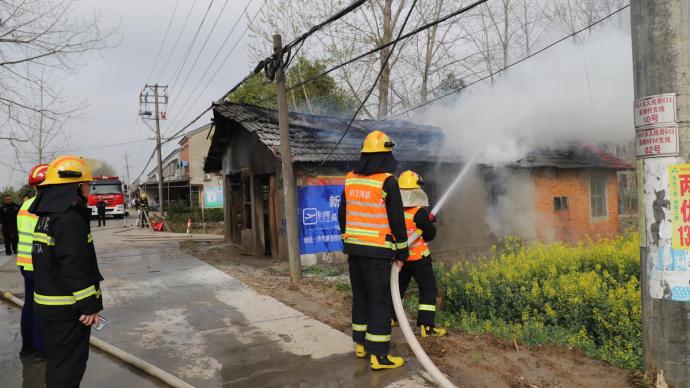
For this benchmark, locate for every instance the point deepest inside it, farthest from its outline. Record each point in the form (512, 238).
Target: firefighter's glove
(432, 217)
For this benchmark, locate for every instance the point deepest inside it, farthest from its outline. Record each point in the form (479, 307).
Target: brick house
(564, 193)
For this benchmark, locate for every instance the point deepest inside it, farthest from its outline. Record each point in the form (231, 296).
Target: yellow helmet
(68, 169)
(410, 180)
(377, 141)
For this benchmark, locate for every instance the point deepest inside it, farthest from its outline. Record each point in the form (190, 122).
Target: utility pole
(158, 99)
(129, 183)
(289, 191)
(661, 59)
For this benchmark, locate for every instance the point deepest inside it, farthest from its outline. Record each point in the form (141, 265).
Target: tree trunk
(384, 81)
(429, 55)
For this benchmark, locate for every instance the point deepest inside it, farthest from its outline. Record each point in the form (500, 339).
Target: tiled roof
(573, 155)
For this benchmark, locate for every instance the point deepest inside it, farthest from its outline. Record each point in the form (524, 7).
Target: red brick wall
(576, 223)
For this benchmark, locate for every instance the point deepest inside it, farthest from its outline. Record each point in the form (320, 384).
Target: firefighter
(373, 231)
(419, 220)
(67, 296)
(143, 207)
(32, 338)
(8, 218)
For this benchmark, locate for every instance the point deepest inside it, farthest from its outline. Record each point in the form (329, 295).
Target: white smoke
(573, 91)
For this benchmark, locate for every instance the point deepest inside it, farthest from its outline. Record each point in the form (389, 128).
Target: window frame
(604, 196)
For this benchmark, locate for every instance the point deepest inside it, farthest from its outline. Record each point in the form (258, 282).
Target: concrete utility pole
(144, 99)
(289, 190)
(661, 61)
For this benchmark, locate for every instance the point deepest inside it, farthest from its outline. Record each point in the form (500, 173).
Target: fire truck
(108, 189)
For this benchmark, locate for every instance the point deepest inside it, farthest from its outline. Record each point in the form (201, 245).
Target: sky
(111, 79)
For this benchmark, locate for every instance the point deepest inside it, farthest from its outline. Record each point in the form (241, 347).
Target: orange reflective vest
(26, 222)
(418, 249)
(366, 219)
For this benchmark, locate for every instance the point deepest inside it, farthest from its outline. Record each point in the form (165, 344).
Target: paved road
(205, 326)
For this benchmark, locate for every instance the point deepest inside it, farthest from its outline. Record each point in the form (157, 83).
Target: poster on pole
(318, 202)
(213, 197)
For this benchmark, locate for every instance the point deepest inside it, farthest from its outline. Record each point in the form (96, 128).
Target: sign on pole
(213, 197)
(656, 128)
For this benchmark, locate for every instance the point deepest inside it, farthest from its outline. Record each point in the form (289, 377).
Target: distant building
(183, 174)
(561, 194)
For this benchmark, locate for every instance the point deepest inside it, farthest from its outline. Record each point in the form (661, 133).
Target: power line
(177, 40)
(379, 48)
(220, 49)
(220, 66)
(215, 23)
(191, 46)
(165, 37)
(371, 90)
(510, 65)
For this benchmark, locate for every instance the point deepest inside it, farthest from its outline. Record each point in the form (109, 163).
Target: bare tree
(39, 36)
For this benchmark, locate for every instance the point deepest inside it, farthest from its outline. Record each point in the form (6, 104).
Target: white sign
(657, 141)
(655, 110)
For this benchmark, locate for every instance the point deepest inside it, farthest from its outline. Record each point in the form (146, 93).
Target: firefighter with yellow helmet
(419, 220)
(67, 296)
(372, 224)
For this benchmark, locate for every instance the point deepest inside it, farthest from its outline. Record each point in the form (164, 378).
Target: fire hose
(120, 354)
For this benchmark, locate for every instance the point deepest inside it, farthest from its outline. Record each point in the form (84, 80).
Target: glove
(432, 217)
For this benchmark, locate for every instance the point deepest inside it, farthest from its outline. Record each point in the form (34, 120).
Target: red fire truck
(109, 189)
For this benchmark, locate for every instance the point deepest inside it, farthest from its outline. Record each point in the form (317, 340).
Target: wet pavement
(202, 325)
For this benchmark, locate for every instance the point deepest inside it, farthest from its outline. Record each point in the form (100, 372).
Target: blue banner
(318, 218)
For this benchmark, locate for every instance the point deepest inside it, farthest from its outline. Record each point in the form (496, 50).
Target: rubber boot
(394, 322)
(431, 331)
(359, 351)
(385, 362)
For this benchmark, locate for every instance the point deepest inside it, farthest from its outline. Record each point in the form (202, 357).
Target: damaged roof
(572, 155)
(313, 137)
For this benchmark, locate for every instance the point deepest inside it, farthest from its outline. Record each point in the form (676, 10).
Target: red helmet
(38, 174)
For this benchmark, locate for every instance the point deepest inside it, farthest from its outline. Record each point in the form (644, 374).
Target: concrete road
(207, 327)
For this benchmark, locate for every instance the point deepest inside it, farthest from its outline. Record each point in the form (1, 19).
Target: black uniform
(8, 217)
(67, 282)
(143, 207)
(100, 210)
(370, 266)
(423, 273)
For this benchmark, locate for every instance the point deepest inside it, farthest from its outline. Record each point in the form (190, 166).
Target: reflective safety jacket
(65, 265)
(26, 222)
(366, 230)
(418, 249)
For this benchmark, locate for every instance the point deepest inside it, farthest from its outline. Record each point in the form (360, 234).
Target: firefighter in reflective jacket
(32, 338)
(419, 220)
(67, 296)
(373, 231)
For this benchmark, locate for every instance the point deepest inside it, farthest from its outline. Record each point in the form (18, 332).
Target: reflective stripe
(364, 182)
(54, 300)
(409, 216)
(26, 244)
(427, 307)
(377, 338)
(44, 238)
(25, 234)
(356, 327)
(89, 239)
(368, 215)
(362, 232)
(366, 204)
(85, 293)
(401, 245)
(367, 225)
(355, 241)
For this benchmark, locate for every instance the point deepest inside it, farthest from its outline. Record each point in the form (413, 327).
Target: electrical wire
(510, 65)
(165, 37)
(227, 39)
(379, 48)
(177, 40)
(185, 57)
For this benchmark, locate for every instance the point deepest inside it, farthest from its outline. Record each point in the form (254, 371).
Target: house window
(597, 194)
(560, 203)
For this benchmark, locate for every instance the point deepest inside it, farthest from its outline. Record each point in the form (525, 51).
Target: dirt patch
(469, 360)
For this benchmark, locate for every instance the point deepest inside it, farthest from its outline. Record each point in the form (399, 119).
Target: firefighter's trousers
(32, 335)
(67, 350)
(371, 303)
(423, 273)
